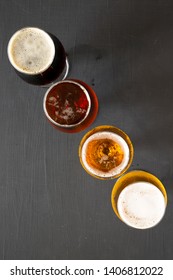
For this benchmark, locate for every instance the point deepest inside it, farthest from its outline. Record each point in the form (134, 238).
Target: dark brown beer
(37, 56)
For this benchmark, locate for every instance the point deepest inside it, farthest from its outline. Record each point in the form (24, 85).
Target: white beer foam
(31, 50)
(119, 140)
(141, 205)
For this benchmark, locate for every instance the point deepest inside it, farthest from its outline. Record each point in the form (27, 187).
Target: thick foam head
(141, 205)
(104, 135)
(31, 50)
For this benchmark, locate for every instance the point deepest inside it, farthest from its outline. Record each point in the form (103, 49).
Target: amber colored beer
(70, 105)
(139, 199)
(106, 152)
(38, 57)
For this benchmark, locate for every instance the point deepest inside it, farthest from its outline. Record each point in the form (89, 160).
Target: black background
(50, 208)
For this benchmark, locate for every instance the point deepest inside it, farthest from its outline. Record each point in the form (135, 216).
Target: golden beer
(106, 152)
(139, 199)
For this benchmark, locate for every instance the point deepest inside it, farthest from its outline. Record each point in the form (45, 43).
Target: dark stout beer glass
(70, 105)
(38, 57)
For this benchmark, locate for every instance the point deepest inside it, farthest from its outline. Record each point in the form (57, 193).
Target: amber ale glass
(106, 152)
(69, 105)
(139, 199)
(38, 57)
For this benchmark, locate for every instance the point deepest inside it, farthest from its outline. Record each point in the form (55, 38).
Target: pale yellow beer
(106, 152)
(139, 199)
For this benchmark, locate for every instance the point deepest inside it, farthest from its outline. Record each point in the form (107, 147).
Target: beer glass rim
(86, 94)
(109, 128)
(118, 188)
(10, 46)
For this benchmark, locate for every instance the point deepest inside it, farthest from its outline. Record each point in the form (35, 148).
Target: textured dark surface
(50, 208)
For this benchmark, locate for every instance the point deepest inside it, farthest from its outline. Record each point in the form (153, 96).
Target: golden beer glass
(106, 152)
(139, 199)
